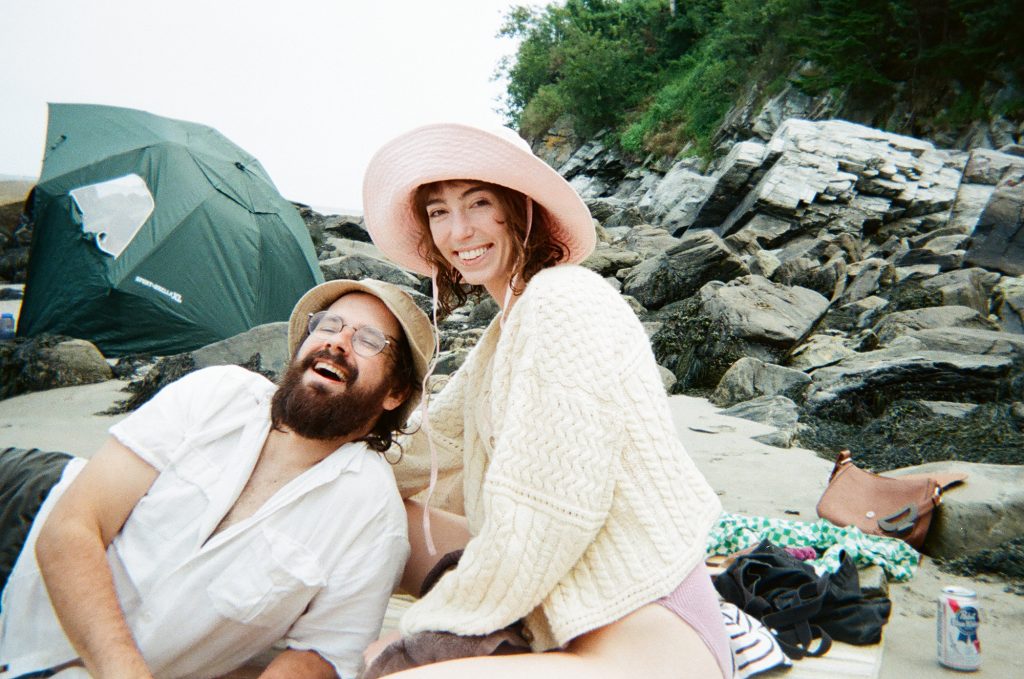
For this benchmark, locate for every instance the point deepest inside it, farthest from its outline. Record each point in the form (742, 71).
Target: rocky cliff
(855, 287)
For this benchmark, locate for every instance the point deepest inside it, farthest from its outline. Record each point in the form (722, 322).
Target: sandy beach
(750, 477)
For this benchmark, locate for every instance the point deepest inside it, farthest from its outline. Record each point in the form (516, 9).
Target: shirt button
(491, 440)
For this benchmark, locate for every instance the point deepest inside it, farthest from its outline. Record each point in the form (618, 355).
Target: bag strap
(795, 609)
(796, 641)
(842, 459)
(945, 480)
(902, 521)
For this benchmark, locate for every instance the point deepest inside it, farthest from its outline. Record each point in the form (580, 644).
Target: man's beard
(316, 412)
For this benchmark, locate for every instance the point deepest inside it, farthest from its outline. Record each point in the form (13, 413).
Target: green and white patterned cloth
(735, 532)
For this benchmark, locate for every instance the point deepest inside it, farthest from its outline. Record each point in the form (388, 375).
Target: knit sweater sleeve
(548, 488)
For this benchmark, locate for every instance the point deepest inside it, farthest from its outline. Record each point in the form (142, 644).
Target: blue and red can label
(959, 617)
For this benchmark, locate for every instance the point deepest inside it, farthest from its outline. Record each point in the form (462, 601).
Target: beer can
(959, 617)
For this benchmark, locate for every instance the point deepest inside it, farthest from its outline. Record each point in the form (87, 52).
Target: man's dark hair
(403, 376)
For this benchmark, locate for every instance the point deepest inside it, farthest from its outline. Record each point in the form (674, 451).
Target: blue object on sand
(7, 326)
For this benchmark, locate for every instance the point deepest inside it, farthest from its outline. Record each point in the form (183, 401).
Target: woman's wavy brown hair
(542, 250)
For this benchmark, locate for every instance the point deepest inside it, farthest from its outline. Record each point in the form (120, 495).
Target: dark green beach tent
(156, 235)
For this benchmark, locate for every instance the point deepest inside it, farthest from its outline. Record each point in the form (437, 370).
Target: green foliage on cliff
(663, 74)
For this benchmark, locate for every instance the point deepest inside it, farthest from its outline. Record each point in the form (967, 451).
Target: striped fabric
(754, 648)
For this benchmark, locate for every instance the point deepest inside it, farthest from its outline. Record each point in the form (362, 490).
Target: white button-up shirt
(314, 565)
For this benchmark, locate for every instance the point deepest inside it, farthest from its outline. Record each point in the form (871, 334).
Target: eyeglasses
(367, 341)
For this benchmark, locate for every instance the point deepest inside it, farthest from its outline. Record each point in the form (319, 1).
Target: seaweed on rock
(697, 349)
(24, 365)
(909, 433)
(1005, 559)
(165, 371)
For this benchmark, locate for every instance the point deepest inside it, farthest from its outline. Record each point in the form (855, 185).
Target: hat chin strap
(425, 419)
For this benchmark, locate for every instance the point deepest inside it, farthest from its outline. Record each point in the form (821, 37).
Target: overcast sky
(309, 87)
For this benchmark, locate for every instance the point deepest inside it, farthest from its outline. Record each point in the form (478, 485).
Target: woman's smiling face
(470, 230)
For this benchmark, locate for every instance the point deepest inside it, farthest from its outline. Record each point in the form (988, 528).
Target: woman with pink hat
(586, 519)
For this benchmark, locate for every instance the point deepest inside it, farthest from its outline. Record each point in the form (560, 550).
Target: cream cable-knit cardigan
(581, 500)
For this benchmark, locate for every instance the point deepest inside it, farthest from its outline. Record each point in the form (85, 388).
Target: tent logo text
(176, 296)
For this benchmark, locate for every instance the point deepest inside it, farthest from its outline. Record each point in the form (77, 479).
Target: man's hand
(71, 550)
(306, 664)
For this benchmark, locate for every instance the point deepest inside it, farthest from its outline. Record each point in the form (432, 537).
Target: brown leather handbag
(894, 507)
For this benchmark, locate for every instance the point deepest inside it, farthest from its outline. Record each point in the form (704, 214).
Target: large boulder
(901, 322)
(350, 227)
(750, 378)
(998, 239)
(828, 279)
(990, 167)
(334, 246)
(607, 260)
(971, 341)
(701, 337)
(49, 362)
(357, 266)
(321, 227)
(699, 257)
(696, 348)
(744, 165)
(983, 512)
(819, 351)
(674, 201)
(944, 253)
(775, 411)
(856, 315)
(263, 349)
(766, 315)
(863, 385)
(866, 278)
(1008, 303)
(269, 341)
(649, 241)
(766, 231)
(964, 287)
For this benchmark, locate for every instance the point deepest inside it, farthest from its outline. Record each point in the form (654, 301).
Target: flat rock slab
(357, 266)
(749, 378)
(867, 382)
(998, 240)
(971, 341)
(986, 510)
(901, 322)
(776, 411)
(699, 257)
(758, 310)
(269, 340)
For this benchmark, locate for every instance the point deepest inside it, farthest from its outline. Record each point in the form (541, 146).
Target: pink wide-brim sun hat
(447, 151)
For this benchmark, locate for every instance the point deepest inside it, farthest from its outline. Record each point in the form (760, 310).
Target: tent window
(114, 210)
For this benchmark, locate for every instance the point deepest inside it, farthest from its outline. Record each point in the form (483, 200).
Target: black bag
(788, 597)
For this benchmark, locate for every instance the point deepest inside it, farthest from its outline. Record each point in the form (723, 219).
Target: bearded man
(226, 514)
